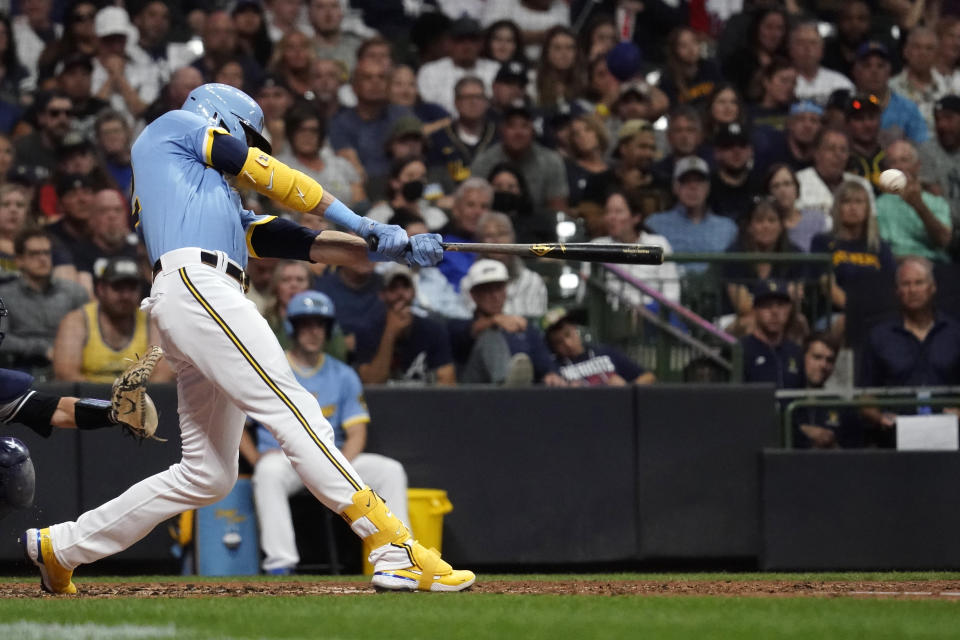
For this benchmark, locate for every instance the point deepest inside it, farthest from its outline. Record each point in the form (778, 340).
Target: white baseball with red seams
(893, 180)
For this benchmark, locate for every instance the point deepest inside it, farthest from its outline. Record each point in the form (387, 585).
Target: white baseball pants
(275, 480)
(228, 365)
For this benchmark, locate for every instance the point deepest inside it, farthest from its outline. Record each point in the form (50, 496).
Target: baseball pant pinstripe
(228, 364)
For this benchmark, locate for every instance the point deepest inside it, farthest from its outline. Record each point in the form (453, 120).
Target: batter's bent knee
(208, 487)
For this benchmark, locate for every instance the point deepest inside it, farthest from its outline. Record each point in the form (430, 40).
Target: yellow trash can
(427, 508)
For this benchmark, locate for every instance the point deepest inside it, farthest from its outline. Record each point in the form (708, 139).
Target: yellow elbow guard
(270, 177)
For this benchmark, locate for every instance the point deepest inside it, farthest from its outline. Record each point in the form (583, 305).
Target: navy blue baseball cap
(512, 72)
(731, 134)
(518, 107)
(948, 103)
(624, 61)
(873, 48)
(465, 27)
(766, 289)
(70, 181)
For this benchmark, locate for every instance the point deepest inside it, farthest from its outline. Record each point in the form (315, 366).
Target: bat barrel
(613, 252)
(618, 253)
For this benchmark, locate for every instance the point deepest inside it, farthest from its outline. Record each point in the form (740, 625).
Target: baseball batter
(227, 361)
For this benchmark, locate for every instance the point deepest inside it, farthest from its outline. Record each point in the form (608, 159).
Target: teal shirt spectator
(905, 115)
(902, 229)
(711, 234)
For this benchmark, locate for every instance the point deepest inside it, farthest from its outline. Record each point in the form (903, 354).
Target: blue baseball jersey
(339, 392)
(179, 199)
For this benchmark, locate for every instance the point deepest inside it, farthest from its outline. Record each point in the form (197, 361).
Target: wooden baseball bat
(613, 252)
(617, 253)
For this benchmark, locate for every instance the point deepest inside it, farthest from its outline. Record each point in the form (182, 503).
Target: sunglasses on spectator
(82, 17)
(58, 113)
(857, 104)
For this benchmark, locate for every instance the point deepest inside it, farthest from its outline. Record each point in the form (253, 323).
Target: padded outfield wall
(665, 474)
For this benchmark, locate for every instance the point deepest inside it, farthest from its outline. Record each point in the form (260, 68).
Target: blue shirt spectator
(354, 292)
(852, 258)
(768, 356)
(529, 341)
(691, 226)
(871, 75)
(366, 136)
(360, 133)
(588, 365)
(896, 356)
(416, 355)
(920, 348)
(905, 115)
(823, 427)
(471, 200)
(9, 116)
(709, 233)
(403, 344)
(494, 347)
(777, 363)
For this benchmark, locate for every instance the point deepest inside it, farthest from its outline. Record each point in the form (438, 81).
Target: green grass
(841, 576)
(479, 616)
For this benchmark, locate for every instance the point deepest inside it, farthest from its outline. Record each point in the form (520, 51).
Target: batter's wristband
(341, 214)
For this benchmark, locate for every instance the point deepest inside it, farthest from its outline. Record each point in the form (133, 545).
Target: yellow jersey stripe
(346, 424)
(250, 228)
(208, 144)
(266, 378)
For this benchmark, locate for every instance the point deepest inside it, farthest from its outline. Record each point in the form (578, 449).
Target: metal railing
(704, 297)
(867, 397)
(705, 292)
(661, 320)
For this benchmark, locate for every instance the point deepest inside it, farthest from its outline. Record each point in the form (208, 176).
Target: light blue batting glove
(386, 241)
(425, 250)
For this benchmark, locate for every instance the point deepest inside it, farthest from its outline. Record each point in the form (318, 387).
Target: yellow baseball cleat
(38, 547)
(380, 529)
(429, 572)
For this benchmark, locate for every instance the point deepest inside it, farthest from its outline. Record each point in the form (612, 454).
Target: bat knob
(372, 243)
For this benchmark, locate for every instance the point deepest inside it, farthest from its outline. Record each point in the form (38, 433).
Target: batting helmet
(229, 108)
(309, 304)
(17, 479)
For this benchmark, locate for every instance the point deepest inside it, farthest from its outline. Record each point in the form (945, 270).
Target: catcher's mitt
(131, 407)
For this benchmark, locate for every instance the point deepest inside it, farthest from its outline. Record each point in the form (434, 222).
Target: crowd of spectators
(753, 126)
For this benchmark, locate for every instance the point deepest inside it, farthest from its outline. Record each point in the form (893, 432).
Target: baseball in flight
(893, 180)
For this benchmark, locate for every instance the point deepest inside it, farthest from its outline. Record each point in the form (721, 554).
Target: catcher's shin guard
(418, 568)
(38, 548)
